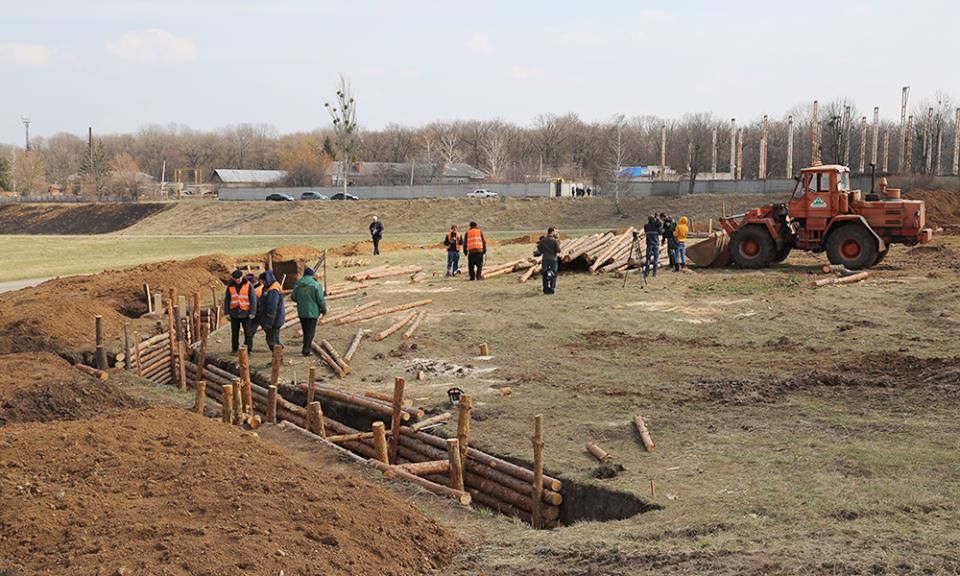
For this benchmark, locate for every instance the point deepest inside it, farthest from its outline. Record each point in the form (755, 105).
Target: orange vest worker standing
(475, 247)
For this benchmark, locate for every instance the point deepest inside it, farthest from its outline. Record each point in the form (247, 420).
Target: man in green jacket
(308, 294)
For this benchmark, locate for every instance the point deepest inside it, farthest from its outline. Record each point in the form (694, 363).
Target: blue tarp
(634, 171)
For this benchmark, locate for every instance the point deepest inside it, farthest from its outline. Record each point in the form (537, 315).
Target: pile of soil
(164, 491)
(300, 252)
(74, 218)
(942, 206)
(59, 314)
(532, 238)
(42, 387)
(361, 248)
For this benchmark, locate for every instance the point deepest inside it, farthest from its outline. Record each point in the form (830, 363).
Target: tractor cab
(821, 193)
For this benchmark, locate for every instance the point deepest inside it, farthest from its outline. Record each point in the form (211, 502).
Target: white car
(481, 193)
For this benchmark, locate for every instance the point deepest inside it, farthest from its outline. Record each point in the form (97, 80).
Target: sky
(117, 65)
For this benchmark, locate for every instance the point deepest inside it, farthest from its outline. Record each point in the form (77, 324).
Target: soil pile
(532, 238)
(42, 387)
(74, 218)
(164, 491)
(59, 314)
(361, 248)
(296, 252)
(942, 206)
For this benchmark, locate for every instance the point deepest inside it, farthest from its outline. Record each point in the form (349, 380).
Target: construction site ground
(799, 430)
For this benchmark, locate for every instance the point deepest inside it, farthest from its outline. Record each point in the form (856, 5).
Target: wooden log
(227, 404)
(315, 421)
(275, 365)
(148, 297)
(431, 421)
(202, 353)
(383, 312)
(644, 433)
(171, 332)
(427, 468)
(335, 356)
(460, 496)
(181, 369)
(416, 324)
(843, 279)
(510, 510)
(484, 349)
(136, 347)
(201, 396)
(243, 359)
(370, 403)
(530, 272)
(464, 411)
(354, 345)
(311, 384)
(598, 452)
(101, 355)
(327, 359)
(348, 313)
(454, 464)
(537, 484)
(238, 411)
(837, 268)
(340, 438)
(390, 271)
(398, 384)
(395, 327)
(151, 371)
(91, 371)
(386, 397)
(154, 340)
(128, 364)
(272, 404)
(196, 317)
(380, 442)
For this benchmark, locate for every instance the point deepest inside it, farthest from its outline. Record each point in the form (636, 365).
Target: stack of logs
(404, 450)
(351, 262)
(384, 272)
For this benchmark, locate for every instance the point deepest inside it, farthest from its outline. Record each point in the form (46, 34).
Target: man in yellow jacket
(680, 237)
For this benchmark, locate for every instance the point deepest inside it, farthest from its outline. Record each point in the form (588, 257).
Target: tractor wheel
(752, 247)
(782, 254)
(853, 246)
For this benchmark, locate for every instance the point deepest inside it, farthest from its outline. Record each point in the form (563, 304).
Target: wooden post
(325, 272)
(272, 404)
(136, 345)
(315, 419)
(127, 363)
(311, 384)
(464, 409)
(195, 331)
(177, 321)
(484, 349)
(276, 365)
(380, 442)
(456, 465)
(146, 293)
(598, 452)
(201, 396)
(101, 357)
(244, 360)
(398, 385)
(537, 471)
(172, 336)
(644, 433)
(202, 354)
(354, 344)
(228, 403)
(237, 400)
(181, 366)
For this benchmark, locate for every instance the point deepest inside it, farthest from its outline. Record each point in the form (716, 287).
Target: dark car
(311, 195)
(342, 196)
(279, 197)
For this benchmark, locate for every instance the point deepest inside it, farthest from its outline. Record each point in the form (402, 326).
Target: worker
(308, 294)
(271, 309)
(475, 247)
(668, 226)
(548, 248)
(376, 233)
(680, 241)
(240, 305)
(255, 319)
(453, 240)
(652, 231)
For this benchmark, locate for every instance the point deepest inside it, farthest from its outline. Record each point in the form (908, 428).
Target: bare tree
(618, 157)
(28, 172)
(344, 115)
(124, 179)
(496, 140)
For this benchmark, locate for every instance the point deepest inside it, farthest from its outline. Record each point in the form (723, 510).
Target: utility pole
(909, 143)
(939, 144)
(886, 152)
(905, 96)
(928, 141)
(815, 135)
(876, 134)
(26, 129)
(762, 172)
(713, 153)
(790, 147)
(733, 147)
(739, 153)
(956, 145)
(863, 143)
(847, 122)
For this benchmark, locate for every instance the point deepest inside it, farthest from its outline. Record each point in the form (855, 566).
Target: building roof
(826, 168)
(234, 176)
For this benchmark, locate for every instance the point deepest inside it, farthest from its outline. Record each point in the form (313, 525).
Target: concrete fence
(525, 190)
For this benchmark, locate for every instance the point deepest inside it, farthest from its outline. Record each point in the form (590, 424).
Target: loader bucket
(712, 252)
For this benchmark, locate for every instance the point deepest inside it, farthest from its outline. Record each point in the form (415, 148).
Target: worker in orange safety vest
(240, 305)
(475, 247)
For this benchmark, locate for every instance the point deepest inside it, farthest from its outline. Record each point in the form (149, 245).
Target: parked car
(311, 195)
(342, 196)
(481, 193)
(279, 197)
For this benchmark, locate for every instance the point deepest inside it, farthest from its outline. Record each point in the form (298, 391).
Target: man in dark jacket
(452, 241)
(308, 294)
(376, 233)
(669, 227)
(548, 248)
(271, 310)
(240, 304)
(652, 232)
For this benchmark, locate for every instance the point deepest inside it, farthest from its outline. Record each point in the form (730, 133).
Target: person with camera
(548, 248)
(669, 228)
(652, 233)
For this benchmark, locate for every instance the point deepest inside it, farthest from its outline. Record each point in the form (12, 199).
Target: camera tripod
(634, 253)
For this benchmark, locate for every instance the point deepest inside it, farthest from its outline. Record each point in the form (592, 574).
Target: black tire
(853, 246)
(752, 247)
(782, 254)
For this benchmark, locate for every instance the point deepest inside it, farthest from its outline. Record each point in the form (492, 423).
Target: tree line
(551, 146)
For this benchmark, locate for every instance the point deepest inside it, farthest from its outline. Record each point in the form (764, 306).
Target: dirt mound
(296, 252)
(361, 248)
(73, 218)
(42, 387)
(942, 206)
(59, 314)
(164, 491)
(531, 238)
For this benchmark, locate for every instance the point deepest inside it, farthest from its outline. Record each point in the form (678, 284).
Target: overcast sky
(119, 64)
